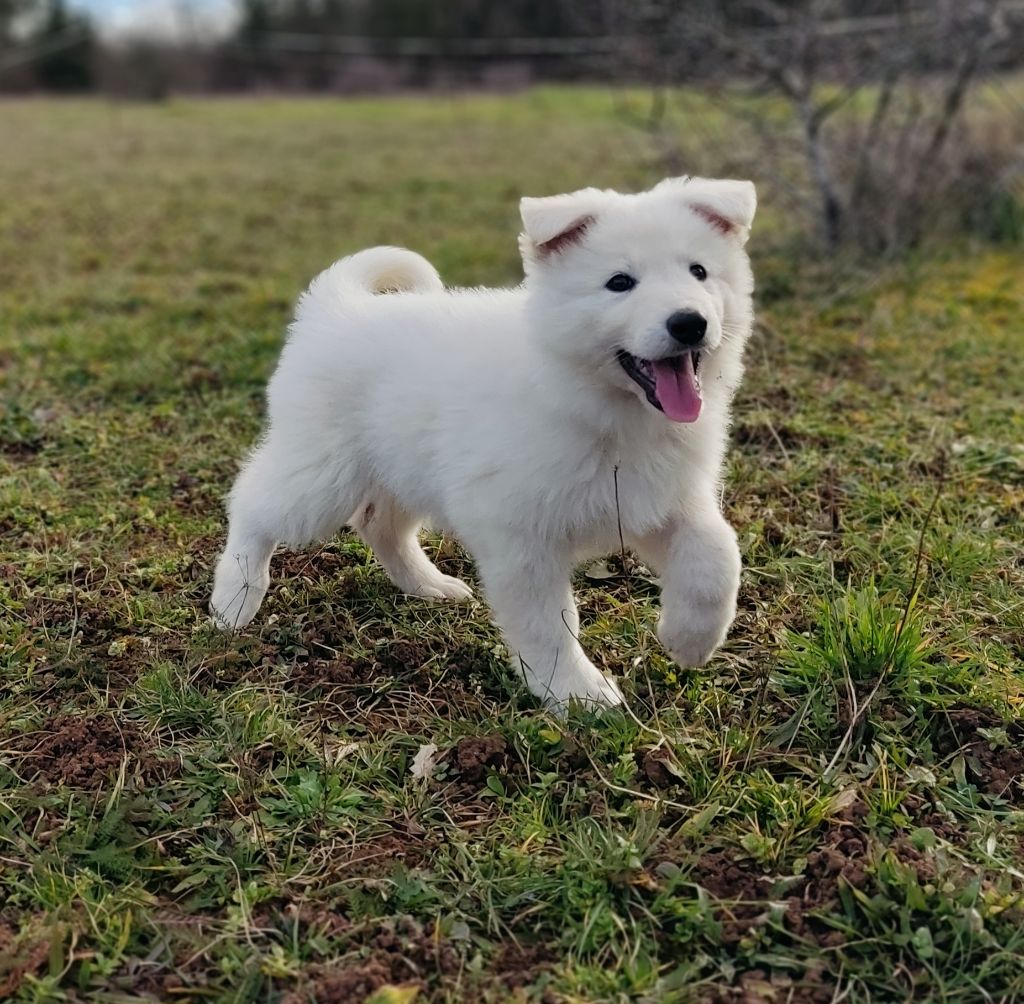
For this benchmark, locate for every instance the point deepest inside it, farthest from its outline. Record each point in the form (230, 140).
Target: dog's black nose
(687, 327)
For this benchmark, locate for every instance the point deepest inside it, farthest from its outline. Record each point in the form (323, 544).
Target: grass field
(832, 810)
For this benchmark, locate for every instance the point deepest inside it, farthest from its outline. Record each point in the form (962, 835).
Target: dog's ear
(727, 205)
(556, 222)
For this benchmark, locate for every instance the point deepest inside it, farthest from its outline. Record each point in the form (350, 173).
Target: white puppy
(532, 423)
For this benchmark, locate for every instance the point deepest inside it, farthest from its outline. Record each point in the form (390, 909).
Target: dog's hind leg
(278, 498)
(391, 532)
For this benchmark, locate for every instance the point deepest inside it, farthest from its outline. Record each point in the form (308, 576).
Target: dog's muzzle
(671, 384)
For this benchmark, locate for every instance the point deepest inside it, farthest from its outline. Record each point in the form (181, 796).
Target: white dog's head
(644, 290)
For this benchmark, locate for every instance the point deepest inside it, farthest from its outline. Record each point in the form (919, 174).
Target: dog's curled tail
(378, 270)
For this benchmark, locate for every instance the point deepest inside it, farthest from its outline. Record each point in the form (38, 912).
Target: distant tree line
(380, 45)
(384, 19)
(45, 45)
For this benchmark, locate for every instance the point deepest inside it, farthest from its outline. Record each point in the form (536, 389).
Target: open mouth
(671, 384)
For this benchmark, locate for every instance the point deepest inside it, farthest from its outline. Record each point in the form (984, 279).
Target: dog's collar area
(641, 371)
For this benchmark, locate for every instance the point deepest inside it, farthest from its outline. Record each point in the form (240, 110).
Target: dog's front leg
(698, 560)
(532, 600)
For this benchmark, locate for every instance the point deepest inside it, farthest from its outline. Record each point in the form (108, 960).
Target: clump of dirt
(321, 674)
(20, 956)
(22, 449)
(476, 756)
(841, 857)
(325, 564)
(406, 654)
(378, 857)
(941, 825)
(572, 759)
(400, 656)
(728, 878)
(399, 954)
(347, 986)
(518, 964)
(655, 769)
(222, 670)
(996, 765)
(188, 492)
(80, 751)
(756, 986)
(924, 867)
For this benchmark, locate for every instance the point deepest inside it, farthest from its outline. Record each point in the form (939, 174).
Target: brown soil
(404, 657)
(840, 858)
(80, 751)
(222, 670)
(476, 756)
(654, 768)
(998, 770)
(313, 564)
(378, 857)
(321, 674)
(519, 965)
(759, 987)
(399, 954)
(19, 957)
(407, 654)
(21, 449)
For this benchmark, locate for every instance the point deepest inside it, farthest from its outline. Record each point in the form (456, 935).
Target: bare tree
(876, 93)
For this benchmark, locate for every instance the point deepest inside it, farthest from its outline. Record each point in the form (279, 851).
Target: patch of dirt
(759, 987)
(925, 815)
(841, 857)
(476, 756)
(80, 751)
(321, 674)
(404, 657)
(995, 765)
(21, 449)
(377, 858)
(222, 670)
(519, 965)
(399, 954)
(313, 564)
(20, 956)
(407, 654)
(347, 986)
(922, 865)
(655, 768)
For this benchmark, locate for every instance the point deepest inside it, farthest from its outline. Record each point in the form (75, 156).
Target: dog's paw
(442, 587)
(236, 598)
(230, 616)
(585, 685)
(694, 642)
(605, 694)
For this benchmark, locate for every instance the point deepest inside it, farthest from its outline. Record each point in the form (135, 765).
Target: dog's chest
(617, 492)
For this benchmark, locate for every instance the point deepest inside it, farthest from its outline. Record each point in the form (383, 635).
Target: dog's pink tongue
(675, 386)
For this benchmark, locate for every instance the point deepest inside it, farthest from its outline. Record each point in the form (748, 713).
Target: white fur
(503, 417)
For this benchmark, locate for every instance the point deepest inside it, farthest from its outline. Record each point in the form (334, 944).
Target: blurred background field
(832, 810)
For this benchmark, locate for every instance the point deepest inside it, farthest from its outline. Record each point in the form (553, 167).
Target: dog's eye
(620, 283)
(699, 272)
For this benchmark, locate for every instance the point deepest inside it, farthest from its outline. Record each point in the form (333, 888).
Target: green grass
(833, 809)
